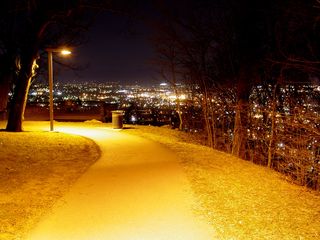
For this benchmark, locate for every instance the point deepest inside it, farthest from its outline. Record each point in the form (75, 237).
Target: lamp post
(50, 52)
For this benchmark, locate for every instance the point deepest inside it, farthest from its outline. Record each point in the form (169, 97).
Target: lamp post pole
(50, 52)
(50, 77)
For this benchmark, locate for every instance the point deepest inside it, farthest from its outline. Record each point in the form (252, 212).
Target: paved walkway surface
(135, 191)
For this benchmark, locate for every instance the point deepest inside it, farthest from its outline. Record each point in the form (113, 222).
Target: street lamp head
(65, 52)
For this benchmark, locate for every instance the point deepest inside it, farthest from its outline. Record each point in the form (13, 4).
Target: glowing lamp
(65, 52)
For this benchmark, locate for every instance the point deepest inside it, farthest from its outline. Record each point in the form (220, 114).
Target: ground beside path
(36, 169)
(238, 199)
(136, 190)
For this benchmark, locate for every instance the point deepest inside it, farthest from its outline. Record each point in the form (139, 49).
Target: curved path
(135, 191)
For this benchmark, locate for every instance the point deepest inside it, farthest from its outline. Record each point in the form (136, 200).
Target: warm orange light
(65, 52)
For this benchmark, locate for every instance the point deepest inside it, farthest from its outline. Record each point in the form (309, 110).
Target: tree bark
(179, 112)
(174, 82)
(240, 127)
(9, 65)
(273, 124)
(20, 94)
(205, 111)
(4, 90)
(245, 78)
(213, 124)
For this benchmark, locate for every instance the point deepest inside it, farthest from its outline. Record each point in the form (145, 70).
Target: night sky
(118, 50)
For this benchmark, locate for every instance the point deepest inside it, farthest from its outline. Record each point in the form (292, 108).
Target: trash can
(117, 118)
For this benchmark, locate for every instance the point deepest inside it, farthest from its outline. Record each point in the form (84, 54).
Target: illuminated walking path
(135, 191)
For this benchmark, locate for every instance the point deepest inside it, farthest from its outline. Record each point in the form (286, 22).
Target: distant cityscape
(162, 95)
(157, 105)
(143, 105)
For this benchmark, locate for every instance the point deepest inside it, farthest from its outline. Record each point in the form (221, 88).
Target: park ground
(236, 198)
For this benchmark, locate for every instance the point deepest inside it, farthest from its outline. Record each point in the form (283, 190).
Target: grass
(37, 168)
(238, 199)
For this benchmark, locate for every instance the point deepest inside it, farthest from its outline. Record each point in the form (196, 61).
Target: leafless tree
(27, 28)
(168, 62)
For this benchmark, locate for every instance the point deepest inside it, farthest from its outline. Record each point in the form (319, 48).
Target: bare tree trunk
(179, 113)
(239, 129)
(178, 101)
(174, 84)
(4, 90)
(9, 65)
(18, 104)
(245, 76)
(213, 125)
(20, 94)
(273, 123)
(207, 120)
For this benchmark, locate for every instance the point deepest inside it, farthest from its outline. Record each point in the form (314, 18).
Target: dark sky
(118, 50)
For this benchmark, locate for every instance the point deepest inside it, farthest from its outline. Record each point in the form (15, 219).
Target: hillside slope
(239, 199)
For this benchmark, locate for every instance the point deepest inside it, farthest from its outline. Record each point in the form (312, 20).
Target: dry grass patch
(239, 199)
(36, 169)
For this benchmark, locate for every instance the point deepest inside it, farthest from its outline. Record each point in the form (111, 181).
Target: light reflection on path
(135, 191)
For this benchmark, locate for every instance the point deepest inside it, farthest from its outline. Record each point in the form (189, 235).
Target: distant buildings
(142, 104)
(112, 93)
(158, 103)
